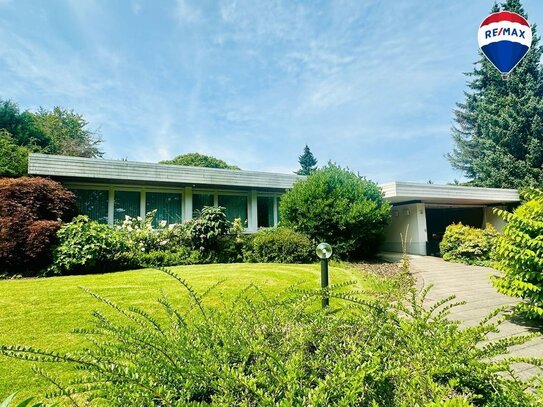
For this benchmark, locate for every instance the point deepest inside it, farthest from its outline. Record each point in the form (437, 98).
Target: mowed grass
(42, 312)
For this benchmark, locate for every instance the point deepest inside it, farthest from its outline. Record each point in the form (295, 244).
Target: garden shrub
(337, 206)
(230, 247)
(468, 245)
(279, 245)
(206, 229)
(284, 351)
(31, 210)
(519, 255)
(86, 246)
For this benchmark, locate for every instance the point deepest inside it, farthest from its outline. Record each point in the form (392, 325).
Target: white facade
(407, 224)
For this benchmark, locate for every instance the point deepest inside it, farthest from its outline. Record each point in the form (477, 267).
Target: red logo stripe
(505, 16)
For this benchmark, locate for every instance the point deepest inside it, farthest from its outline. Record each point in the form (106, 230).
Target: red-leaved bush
(31, 212)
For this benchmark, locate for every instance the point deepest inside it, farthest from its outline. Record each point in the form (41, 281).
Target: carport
(425, 211)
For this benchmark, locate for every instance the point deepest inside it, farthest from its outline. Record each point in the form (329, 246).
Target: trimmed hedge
(280, 245)
(468, 245)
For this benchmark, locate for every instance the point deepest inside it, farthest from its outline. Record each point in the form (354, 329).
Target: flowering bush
(86, 246)
(142, 237)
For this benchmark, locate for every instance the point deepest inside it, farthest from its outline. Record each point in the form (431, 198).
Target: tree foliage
(519, 255)
(308, 163)
(498, 134)
(13, 158)
(59, 131)
(199, 160)
(337, 206)
(68, 133)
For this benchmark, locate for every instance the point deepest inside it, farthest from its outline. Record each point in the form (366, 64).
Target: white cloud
(186, 13)
(136, 8)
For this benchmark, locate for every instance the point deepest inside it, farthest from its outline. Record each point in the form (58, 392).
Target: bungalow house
(107, 190)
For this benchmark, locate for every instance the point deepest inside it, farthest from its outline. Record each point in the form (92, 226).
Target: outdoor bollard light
(324, 251)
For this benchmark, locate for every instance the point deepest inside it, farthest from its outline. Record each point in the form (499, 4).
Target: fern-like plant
(519, 255)
(285, 350)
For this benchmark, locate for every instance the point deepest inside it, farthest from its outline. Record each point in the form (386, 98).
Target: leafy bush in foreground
(337, 206)
(519, 255)
(279, 245)
(285, 351)
(7, 402)
(467, 244)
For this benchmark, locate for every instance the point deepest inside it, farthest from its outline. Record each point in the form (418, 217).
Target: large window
(168, 206)
(265, 211)
(236, 207)
(199, 201)
(126, 203)
(92, 203)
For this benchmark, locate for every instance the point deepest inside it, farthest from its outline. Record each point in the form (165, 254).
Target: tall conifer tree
(308, 163)
(498, 132)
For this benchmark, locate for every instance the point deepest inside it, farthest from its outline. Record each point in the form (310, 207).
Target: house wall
(494, 220)
(410, 218)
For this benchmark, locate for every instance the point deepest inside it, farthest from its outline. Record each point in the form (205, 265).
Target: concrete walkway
(472, 285)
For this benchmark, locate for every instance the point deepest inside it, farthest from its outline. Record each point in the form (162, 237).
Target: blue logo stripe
(505, 55)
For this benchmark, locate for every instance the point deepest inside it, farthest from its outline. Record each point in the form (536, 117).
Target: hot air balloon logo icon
(505, 38)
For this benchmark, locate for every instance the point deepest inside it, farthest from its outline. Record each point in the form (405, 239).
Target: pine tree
(498, 134)
(308, 163)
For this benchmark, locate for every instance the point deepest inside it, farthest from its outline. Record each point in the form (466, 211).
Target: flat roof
(95, 170)
(399, 192)
(77, 169)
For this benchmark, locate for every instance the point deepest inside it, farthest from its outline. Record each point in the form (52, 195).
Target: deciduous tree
(199, 160)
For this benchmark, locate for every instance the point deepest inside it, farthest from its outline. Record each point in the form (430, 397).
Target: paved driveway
(472, 284)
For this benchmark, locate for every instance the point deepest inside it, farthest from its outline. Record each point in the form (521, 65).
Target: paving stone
(472, 284)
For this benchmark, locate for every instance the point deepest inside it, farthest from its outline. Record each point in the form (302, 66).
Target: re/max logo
(512, 32)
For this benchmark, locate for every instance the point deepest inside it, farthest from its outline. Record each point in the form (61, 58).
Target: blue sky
(368, 84)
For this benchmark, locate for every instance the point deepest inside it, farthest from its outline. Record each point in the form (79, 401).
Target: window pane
(199, 201)
(278, 212)
(265, 211)
(92, 203)
(168, 207)
(126, 203)
(236, 207)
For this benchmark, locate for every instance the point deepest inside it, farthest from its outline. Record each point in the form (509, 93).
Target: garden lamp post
(324, 251)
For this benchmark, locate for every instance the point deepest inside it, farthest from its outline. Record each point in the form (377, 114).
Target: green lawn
(42, 312)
